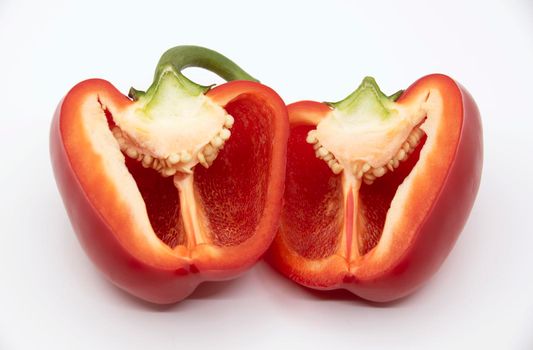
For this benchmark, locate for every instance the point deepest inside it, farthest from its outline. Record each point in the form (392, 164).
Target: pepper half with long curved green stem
(158, 188)
(186, 56)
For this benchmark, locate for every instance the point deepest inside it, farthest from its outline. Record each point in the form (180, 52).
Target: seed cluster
(322, 153)
(181, 161)
(365, 171)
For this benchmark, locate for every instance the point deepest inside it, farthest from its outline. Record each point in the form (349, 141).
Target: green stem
(180, 57)
(367, 100)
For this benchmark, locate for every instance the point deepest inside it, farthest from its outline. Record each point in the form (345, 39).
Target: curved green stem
(181, 57)
(178, 58)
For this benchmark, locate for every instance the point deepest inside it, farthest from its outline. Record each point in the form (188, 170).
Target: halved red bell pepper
(182, 184)
(378, 189)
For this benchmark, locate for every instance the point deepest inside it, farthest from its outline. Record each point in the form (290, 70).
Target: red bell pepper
(378, 189)
(182, 184)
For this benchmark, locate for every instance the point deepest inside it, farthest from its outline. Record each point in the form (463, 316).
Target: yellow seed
(311, 137)
(225, 134)
(168, 171)
(401, 154)
(147, 160)
(173, 158)
(217, 141)
(121, 143)
(370, 176)
(202, 160)
(413, 141)
(132, 152)
(210, 157)
(379, 172)
(185, 156)
(366, 167)
(322, 152)
(228, 123)
(208, 149)
(337, 168)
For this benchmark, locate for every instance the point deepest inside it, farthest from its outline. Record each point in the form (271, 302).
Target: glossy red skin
(156, 284)
(150, 283)
(434, 239)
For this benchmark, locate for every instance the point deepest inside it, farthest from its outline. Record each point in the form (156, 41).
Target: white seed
(225, 134)
(406, 147)
(311, 137)
(358, 171)
(370, 176)
(168, 171)
(328, 157)
(185, 156)
(366, 167)
(217, 141)
(395, 163)
(208, 149)
(413, 141)
(210, 157)
(337, 168)
(173, 158)
(401, 154)
(202, 160)
(390, 165)
(121, 143)
(379, 172)
(147, 159)
(367, 181)
(322, 152)
(331, 162)
(132, 152)
(228, 123)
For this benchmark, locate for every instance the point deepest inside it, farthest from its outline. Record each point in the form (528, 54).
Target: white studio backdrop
(52, 297)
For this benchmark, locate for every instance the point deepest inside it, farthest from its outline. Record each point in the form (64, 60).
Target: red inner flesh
(313, 213)
(233, 190)
(231, 193)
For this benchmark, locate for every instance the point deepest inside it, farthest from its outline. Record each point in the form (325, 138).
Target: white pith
(106, 146)
(430, 105)
(366, 146)
(174, 139)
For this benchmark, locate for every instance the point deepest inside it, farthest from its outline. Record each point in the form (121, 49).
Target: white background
(51, 296)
